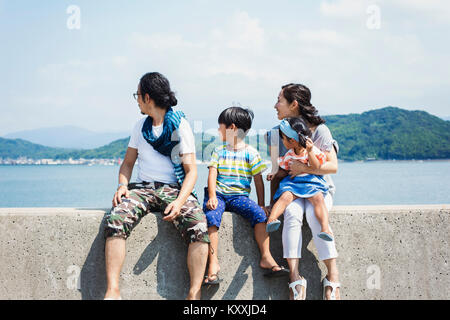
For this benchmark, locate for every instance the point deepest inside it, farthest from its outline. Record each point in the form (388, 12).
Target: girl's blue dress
(304, 186)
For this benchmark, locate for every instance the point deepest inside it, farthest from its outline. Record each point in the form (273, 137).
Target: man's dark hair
(158, 88)
(242, 118)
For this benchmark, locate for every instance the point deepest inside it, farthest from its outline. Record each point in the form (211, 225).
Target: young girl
(295, 135)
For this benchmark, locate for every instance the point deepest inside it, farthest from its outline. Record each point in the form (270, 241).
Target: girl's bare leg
(281, 205)
(321, 211)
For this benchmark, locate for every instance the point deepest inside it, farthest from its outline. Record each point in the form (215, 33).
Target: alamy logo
(74, 20)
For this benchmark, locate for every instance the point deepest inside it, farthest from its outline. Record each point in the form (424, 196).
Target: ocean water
(357, 183)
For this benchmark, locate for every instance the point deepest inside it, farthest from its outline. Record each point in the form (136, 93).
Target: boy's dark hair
(302, 129)
(158, 88)
(242, 118)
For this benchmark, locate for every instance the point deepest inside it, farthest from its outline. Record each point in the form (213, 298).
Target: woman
(294, 100)
(164, 144)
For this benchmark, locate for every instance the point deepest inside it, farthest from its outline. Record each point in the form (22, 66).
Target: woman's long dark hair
(300, 93)
(158, 88)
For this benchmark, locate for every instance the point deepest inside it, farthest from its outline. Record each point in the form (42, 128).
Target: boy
(231, 169)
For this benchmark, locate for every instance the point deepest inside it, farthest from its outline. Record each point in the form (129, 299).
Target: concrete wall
(391, 252)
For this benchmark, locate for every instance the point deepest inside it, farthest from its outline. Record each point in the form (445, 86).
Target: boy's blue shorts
(242, 205)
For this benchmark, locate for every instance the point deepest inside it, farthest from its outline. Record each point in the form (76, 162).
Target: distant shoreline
(113, 162)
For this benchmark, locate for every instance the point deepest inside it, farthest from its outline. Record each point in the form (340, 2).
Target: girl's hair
(158, 88)
(242, 118)
(302, 129)
(300, 93)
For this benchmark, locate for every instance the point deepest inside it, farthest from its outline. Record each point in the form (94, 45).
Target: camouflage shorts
(155, 197)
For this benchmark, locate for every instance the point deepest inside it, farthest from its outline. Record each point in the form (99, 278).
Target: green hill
(387, 133)
(391, 133)
(16, 148)
(114, 150)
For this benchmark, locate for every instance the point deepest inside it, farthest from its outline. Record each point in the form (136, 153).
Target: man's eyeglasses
(135, 95)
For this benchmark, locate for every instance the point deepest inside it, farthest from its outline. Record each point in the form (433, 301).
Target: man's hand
(212, 203)
(173, 210)
(122, 191)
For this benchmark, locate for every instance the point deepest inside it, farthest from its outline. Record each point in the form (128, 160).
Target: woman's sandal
(333, 286)
(297, 295)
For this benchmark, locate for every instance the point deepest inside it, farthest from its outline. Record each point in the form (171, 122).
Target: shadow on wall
(93, 274)
(172, 277)
(171, 250)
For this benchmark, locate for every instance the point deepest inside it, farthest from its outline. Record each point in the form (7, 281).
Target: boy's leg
(281, 204)
(250, 210)
(320, 211)
(119, 223)
(214, 218)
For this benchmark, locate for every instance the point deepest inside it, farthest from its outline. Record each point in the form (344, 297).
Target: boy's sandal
(273, 226)
(325, 236)
(217, 280)
(297, 295)
(277, 273)
(333, 286)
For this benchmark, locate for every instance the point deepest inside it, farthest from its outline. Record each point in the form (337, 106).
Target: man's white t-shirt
(152, 165)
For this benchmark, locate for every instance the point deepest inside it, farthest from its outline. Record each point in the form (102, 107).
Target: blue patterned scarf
(164, 144)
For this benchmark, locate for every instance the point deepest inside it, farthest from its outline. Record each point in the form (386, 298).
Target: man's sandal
(333, 286)
(297, 295)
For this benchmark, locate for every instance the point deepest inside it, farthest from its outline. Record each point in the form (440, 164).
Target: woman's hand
(298, 168)
(122, 191)
(173, 210)
(212, 203)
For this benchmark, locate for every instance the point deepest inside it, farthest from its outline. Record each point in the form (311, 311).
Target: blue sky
(215, 53)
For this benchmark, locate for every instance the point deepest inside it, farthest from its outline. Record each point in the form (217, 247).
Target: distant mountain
(391, 133)
(387, 133)
(114, 150)
(446, 118)
(17, 148)
(67, 137)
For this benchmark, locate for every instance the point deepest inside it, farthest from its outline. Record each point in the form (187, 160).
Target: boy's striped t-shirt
(235, 169)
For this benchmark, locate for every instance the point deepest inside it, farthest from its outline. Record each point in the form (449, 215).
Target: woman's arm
(190, 169)
(329, 167)
(125, 172)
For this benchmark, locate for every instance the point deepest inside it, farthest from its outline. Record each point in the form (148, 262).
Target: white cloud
(347, 69)
(324, 36)
(433, 10)
(343, 8)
